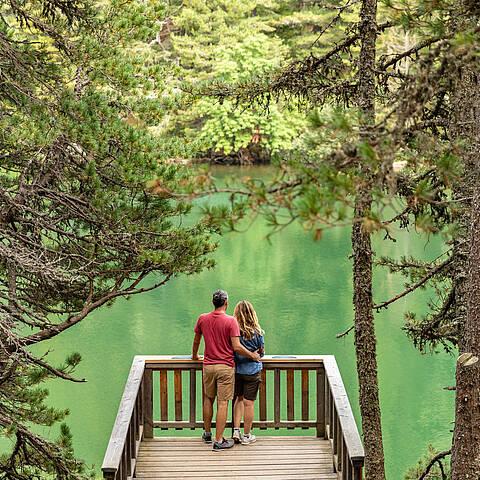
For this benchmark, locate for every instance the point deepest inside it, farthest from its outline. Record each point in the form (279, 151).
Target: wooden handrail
(344, 411)
(333, 418)
(128, 427)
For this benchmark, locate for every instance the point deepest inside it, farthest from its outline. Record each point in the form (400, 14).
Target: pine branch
(51, 369)
(418, 284)
(88, 308)
(383, 63)
(432, 462)
(346, 332)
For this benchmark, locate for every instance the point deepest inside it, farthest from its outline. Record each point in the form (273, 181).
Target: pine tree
(78, 225)
(464, 130)
(322, 184)
(231, 41)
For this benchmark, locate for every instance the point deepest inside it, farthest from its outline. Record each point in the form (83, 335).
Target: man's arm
(196, 346)
(239, 348)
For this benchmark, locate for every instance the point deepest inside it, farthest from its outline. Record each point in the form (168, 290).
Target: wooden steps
(270, 457)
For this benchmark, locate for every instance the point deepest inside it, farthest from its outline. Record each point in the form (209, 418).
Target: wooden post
(136, 414)
(349, 470)
(290, 396)
(123, 471)
(148, 403)
(305, 396)
(163, 396)
(326, 402)
(193, 397)
(345, 461)
(263, 399)
(178, 396)
(233, 414)
(321, 402)
(331, 407)
(133, 442)
(357, 473)
(140, 404)
(128, 451)
(203, 393)
(276, 398)
(335, 431)
(339, 445)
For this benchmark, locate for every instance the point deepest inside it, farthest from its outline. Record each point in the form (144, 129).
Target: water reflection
(302, 293)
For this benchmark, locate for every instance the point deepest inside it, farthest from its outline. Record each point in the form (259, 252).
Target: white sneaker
(237, 436)
(248, 439)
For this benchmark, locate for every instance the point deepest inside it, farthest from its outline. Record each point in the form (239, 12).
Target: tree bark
(365, 344)
(465, 463)
(365, 340)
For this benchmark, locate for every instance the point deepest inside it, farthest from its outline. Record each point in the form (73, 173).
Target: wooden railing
(310, 394)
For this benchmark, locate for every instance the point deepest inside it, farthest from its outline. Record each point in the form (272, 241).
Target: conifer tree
(231, 41)
(320, 185)
(464, 130)
(78, 225)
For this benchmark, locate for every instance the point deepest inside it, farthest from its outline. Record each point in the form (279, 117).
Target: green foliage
(406, 164)
(227, 127)
(436, 470)
(80, 227)
(232, 42)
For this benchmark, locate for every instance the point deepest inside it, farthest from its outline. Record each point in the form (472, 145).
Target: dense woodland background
(106, 109)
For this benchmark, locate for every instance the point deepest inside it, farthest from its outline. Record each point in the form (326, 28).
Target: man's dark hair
(219, 298)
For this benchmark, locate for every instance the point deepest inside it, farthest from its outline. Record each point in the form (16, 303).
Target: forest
(113, 115)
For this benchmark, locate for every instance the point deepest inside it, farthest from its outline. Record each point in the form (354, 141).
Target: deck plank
(270, 457)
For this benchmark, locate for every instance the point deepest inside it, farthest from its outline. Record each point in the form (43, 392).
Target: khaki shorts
(219, 381)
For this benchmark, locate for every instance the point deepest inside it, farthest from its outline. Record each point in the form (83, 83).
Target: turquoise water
(302, 292)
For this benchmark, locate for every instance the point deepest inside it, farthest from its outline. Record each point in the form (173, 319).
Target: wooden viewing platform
(309, 395)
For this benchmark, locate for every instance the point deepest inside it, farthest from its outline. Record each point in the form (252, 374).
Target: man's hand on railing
(197, 357)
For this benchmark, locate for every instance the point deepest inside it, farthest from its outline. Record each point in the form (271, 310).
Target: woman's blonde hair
(247, 319)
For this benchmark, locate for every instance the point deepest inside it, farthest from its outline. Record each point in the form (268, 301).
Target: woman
(247, 373)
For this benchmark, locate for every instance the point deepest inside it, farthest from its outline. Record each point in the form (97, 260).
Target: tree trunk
(466, 438)
(465, 463)
(365, 341)
(365, 344)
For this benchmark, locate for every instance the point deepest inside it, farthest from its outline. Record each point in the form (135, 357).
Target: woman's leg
(238, 412)
(248, 419)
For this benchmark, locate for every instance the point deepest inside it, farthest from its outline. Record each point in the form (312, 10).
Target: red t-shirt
(217, 328)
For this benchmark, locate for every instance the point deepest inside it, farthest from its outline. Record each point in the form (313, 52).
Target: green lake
(302, 292)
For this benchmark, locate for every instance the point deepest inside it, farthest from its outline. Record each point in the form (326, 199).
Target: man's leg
(225, 390)
(238, 412)
(208, 413)
(248, 419)
(222, 410)
(209, 394)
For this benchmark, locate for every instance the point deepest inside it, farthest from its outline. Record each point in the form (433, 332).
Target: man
(222, 337)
